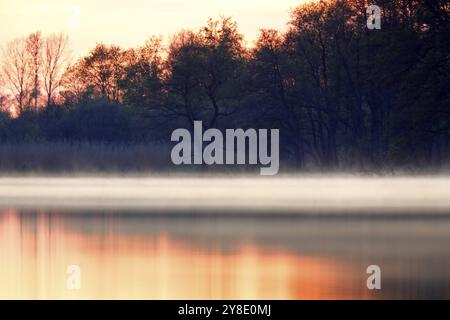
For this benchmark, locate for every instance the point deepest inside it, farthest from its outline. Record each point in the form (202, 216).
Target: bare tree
(34, 45)
(16, 70)
(55, 56)
(3, 97)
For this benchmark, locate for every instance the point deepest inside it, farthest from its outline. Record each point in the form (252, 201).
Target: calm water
(128, 255)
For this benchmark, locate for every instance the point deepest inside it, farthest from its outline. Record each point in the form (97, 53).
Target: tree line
(343, 96)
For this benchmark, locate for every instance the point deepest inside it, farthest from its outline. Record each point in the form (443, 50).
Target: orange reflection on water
(120, 265)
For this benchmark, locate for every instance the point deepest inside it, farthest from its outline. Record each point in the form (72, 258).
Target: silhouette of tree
(34, 46)
(55, 57)
(100, 72)
(17, 71)
(142, 80)
(183, 65)
(274, 80)
(206, 70)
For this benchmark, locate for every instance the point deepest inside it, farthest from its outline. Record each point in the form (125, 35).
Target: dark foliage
(342, 96)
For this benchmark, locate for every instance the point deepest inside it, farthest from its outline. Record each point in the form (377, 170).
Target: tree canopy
(343, 96)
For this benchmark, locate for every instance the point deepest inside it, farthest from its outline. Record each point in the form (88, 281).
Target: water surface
(155, 255)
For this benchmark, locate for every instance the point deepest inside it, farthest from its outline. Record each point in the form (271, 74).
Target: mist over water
(297, 237)
(210, 194)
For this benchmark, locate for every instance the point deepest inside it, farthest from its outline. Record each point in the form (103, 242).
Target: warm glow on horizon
(130, 23)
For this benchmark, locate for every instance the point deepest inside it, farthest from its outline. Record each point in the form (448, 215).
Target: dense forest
(343, 96)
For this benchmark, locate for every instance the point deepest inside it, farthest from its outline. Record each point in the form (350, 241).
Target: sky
(129, 23)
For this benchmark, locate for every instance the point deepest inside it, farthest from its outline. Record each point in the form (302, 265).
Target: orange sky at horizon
(130, 23)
